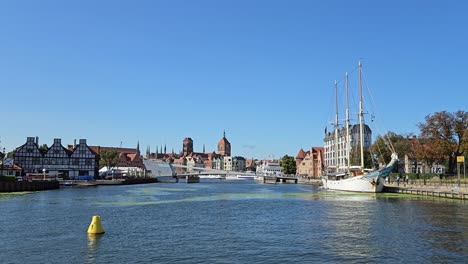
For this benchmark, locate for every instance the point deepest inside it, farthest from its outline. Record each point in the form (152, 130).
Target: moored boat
(372, 182)
(342, 178)
(69, 183)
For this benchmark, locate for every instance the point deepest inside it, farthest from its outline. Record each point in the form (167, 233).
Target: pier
(188, 178)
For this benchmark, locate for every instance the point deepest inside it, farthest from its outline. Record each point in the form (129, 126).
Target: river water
(230, 222)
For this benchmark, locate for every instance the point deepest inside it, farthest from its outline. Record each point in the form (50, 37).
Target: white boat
(69, 183)
(344, 179)
(372, 182)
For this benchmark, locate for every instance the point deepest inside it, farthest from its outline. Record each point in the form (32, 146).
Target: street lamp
(43, 172)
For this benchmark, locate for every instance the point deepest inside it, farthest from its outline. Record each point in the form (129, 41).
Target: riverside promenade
(436, 188)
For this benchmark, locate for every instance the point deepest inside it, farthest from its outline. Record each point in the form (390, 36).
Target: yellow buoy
(95, 227)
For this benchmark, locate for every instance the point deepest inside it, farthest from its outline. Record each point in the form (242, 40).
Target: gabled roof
(132, 156)
(67, 151)
(301, 154)
(320, 150)
(224, 141)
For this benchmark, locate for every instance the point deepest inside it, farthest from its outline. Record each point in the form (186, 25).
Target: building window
(36, 161)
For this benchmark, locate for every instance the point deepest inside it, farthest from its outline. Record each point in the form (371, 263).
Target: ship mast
(336, 127)
(347, 124)
(361, 115)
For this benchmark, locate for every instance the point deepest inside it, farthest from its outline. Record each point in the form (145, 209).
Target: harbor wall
(26, 186)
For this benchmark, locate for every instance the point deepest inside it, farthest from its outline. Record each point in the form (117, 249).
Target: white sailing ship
(357, 180)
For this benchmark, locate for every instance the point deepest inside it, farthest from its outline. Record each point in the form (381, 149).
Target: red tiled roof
(14, 167)
(301, 154)
(132, 156)
(320, 150)
(223, 141)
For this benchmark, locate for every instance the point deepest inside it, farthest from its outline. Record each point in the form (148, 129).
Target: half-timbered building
(84, 161)
(29, 157)
(57, 160)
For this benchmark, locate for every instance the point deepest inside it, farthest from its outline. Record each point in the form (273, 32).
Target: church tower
(224, 147)
(187, 146)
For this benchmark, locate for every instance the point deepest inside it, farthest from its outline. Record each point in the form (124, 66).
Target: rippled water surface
(230, 222)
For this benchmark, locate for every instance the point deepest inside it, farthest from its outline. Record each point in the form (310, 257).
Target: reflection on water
(93, 245)
(228, 222)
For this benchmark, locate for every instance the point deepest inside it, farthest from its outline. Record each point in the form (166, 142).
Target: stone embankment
(316, 181)
(446, 189)
(435, 188)
(26, 186)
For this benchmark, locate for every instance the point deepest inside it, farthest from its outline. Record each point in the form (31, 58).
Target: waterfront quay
(45, 185)
(435, 188)
(430, 188)
(277, 179)
(25, 186)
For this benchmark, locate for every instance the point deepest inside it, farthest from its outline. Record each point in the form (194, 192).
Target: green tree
(383, 145)
(424, 150)
(43, 148)
(445, 131)
(11, 154)
(108, 158)
(288, 164)
(465, 142)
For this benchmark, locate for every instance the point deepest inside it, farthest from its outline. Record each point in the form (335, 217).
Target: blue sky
(263, 71)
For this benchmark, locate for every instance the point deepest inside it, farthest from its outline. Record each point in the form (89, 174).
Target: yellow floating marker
(95, 227)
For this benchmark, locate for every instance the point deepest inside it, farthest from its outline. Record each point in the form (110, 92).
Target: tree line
(443, 136)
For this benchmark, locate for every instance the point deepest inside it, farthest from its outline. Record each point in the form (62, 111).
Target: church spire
(203, 148)
(138, 147)
(224, 133)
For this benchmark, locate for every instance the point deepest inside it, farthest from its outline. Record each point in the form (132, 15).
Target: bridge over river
(164, 171)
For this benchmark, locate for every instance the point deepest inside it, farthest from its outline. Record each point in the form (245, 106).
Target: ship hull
(355, 184)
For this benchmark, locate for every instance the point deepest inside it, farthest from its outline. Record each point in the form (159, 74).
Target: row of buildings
(188, 159)
(81, 159)
(72, 161)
